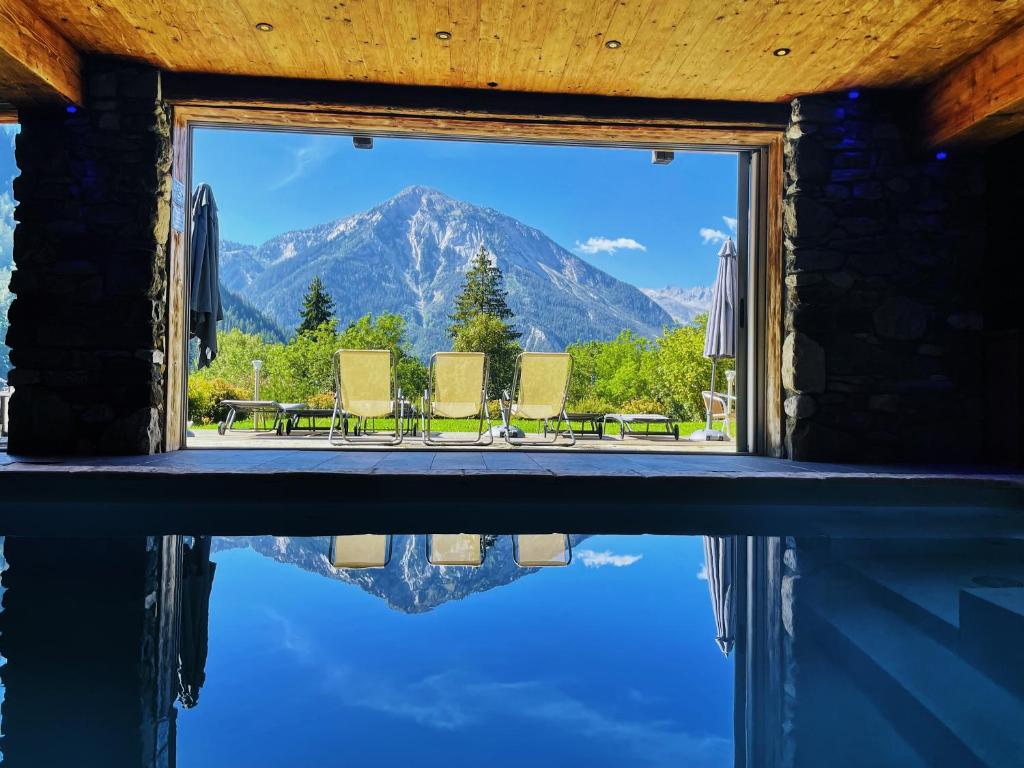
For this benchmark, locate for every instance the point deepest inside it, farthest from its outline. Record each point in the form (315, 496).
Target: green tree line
(626, 374)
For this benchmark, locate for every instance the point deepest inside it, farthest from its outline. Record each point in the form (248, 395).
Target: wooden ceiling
(689, 49)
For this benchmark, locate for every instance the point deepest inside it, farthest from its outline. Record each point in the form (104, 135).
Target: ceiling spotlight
(940, 155)
(613, 44)
(265, 27)
(492, 85)
(662, 156)
(362, 142)
(443, 35)
(71, 109)
(781, 52)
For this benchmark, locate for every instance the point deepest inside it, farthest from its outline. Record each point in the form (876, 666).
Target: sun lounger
(464, 549)
(541, 550)
(457, 389)
(539, 388)
(256, 408)
(366, 387)
(629, 421)
(360, 551)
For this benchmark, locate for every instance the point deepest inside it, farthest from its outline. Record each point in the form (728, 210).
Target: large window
(422, 246)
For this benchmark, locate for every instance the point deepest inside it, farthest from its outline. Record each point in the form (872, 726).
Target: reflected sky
(608, 662)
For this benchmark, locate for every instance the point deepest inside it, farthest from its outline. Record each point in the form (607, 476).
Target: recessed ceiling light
(265, 27)
(781, 52)
(443, 35)
(613, 44)
(492, 85)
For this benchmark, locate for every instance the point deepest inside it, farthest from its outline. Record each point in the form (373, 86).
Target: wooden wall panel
(177, 300)
(774, 417)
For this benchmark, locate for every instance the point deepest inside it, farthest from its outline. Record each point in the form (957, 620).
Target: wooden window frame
(761, 422)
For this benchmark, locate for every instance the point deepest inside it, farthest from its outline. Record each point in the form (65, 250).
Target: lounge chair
(541, 550)
(540, 386)
(365, 387)
(465, 549)
(256, 408)
(457, 389)
(628, 423)
(368, 550)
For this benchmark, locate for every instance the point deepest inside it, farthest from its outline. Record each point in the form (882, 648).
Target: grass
(467, 426)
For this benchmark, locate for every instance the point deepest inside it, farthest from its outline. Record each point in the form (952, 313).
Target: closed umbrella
(720, 337)
(719, 556)
(204, 300)
(193, 644)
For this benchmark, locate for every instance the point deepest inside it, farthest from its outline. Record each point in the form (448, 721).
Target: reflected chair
(541, 550)
(465, 549)
(369, 550)
(457, 389)
(540, 387)
(365, 387)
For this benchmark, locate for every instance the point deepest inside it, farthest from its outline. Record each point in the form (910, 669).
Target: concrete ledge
(322, 492)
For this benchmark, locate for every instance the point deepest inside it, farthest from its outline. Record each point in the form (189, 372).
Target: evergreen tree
(317, 307)
(480, 322)
(483, 293)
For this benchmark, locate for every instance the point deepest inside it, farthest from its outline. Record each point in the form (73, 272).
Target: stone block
(803, 364)
(901, 318)
(799, 406)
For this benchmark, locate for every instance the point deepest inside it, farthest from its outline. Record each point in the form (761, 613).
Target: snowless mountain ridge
(409, 255)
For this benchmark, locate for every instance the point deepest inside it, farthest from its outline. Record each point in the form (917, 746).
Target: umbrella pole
(711, 401)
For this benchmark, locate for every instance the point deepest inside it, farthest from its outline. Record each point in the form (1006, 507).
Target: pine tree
(480, 322)
(317, 307)
(483, 293)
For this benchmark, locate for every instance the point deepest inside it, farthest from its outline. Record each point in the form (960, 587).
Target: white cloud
(609, 245)
(10, 131)
(730, 222)
(710, 235)
(307, 157)
(6, 229)
(593, 559)
(702, 574)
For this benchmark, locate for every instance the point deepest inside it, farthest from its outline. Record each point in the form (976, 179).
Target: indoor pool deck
(322, 492)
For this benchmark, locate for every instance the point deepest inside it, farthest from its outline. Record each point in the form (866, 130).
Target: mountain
(409, 583)
(240, 314)
(682, 304)
(409, 254)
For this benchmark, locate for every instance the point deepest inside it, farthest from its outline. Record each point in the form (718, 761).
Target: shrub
(204, 394)
(321, 400)
(591, 404)
(643, 405)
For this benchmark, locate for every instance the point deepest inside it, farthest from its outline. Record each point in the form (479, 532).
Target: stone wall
(883, 350)
(88, 324)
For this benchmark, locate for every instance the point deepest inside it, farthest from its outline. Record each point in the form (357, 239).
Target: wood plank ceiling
(692, 49)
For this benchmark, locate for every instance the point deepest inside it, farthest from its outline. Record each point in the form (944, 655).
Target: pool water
(643, 651)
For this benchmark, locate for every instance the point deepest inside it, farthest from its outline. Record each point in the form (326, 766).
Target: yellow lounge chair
(540, 386)
(457, 389)
(461, 549)
(365, 387)
(367, 550)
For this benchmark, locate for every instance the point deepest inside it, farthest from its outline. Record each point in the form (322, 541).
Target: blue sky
(649, 225)
(609, 662)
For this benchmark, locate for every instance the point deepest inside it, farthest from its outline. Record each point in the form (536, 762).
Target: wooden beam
(468, 105)
(50, 67)
(981, 100)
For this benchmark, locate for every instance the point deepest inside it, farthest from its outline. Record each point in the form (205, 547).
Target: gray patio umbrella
(204, 300)
(720, 337)
(719, 555)
(193, 643)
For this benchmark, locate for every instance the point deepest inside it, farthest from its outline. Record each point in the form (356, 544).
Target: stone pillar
(88, 631)
(884, 248)
(88, 324)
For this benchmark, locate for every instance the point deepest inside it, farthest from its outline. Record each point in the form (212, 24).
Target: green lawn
(466, 426)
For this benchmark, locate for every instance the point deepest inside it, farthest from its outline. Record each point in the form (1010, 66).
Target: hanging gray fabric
(204, 300)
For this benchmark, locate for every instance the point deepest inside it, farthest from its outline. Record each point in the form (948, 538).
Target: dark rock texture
(88, 326)
(883, 259)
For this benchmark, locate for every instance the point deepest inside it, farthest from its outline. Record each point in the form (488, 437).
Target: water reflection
(846, 652)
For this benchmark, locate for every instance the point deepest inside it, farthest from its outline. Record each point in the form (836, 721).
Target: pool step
(992, 633)
(952, 713)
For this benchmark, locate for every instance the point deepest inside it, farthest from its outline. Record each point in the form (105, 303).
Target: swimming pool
(256, 650)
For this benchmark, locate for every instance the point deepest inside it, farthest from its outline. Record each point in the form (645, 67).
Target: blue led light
(941, 155)
(854, 94)
(71, 109)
